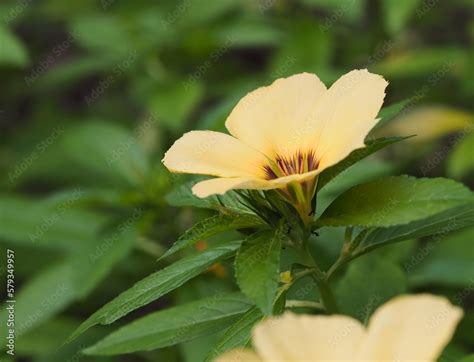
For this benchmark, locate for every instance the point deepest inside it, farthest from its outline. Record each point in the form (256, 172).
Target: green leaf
(12, 51)
(229, 202)
(394, 200)
(238, 335)
(398, 253)
(43, 296)
(45, 338)
(117, 154)
(423, 61)
(371, 146)
(397, 13)
(118, 161)
(211, 226)
(468, 358)
(182, 195)
(368, 283)
(44, 223)
(57, 223)
(341, 10)
(460, 161)
(158, 284)
(368, 169)
(46, 341)
(77, 68)
(193, 14)
(439, 224)
(250, 33)
(446, 261)
(307, 49)
(174, 325)
(257, 267)
(175, 102)
(101, 33)
(95, 260)
(388, 113)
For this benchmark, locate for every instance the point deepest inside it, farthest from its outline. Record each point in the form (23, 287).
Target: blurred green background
(93, 92)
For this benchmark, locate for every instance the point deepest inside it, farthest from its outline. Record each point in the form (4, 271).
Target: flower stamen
(285, 166)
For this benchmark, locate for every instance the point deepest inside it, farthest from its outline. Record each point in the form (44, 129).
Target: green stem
(303, 304)
(327, 296)
(302, 274)
(348, 251)
(348, 235)
(339, 262)
(325, 292)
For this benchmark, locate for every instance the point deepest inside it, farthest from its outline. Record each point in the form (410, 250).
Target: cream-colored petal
(273, 119)
(299, 177)
(214, 153)
(410, 328)
(293, 337)
(346, 114)
(239, 355)
(221, 185)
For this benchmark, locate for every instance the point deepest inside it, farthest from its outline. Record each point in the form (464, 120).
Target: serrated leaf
(238, 335)
(394, 200)
(211, 226)
(442, 223)
(229, 202)
(257, 267)
(371, 146)
(174, 325)
(158, 284)
(363, 171)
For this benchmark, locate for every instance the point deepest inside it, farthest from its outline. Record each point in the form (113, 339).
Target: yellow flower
(283, 135)
(285, 277)
(408, 328)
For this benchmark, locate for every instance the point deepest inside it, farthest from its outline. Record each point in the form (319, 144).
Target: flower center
(296, 164)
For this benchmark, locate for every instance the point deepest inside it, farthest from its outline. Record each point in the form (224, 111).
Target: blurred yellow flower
(217, 268)
(283, 135)
(429, 123)
(408, 328)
